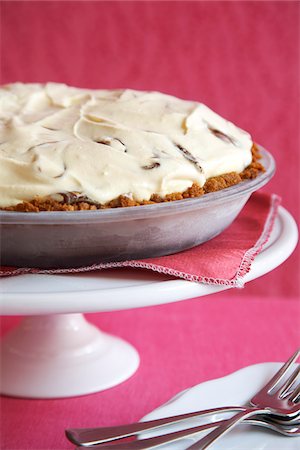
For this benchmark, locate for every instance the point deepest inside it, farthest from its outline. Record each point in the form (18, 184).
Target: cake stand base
(62, 356)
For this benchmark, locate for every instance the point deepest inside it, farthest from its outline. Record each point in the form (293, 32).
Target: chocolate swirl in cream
(102, 143)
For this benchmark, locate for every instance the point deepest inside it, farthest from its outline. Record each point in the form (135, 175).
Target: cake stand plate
(55, 352)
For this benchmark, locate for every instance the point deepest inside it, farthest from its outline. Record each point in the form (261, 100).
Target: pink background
(240, 58)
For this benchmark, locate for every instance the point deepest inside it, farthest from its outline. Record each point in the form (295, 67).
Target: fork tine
(282, 371)
(295, 394)
(286, 386)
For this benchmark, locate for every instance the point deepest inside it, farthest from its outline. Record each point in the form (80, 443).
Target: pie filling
(70, 149)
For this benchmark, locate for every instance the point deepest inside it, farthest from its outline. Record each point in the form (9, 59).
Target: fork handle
(92, 436)
(225, 427)
(156, 441)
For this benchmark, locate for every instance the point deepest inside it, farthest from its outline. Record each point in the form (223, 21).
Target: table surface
(181, 344)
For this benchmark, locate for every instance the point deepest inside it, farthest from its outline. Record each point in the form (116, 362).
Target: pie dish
(72, 160)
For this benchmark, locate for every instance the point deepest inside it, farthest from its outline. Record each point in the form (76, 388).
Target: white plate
(235, 389)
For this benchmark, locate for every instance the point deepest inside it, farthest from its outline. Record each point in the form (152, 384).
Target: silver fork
(93, 436)
(283, 401)
(157, 441)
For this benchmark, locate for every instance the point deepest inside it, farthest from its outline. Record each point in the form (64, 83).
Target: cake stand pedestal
(63, 355)
(55, 352)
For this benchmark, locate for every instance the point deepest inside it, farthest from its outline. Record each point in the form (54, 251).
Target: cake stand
(55, 352)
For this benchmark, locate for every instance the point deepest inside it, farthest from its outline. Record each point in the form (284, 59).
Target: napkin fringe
(134, 264)
(179, 274)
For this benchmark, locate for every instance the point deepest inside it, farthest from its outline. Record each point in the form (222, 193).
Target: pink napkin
(224, 260)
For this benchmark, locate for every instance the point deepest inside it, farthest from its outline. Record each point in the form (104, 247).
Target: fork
(93, 436)
(88, 437)
(157, 441)
(269, 400)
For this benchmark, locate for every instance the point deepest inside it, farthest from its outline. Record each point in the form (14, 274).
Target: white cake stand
(55, 352)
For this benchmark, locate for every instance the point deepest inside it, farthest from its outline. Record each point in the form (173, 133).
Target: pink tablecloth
(180, 345)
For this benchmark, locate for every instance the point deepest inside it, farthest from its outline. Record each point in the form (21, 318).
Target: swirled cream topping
(105, 143)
